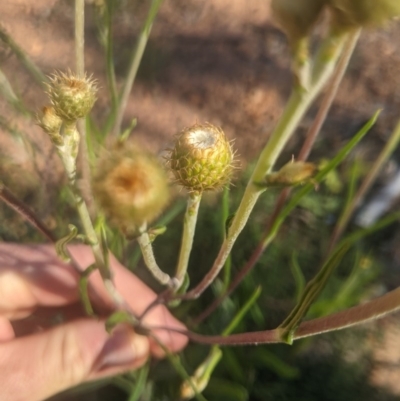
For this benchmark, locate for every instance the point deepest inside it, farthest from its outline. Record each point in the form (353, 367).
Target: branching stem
(311, 136)
(150, 260)
(295, 109)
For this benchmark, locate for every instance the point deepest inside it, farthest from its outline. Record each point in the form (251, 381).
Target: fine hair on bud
(131, 187)
(71, 97)
(202, 158)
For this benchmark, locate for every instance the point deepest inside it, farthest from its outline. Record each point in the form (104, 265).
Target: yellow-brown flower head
(297, 17)
(131, 187)
(71, 97)
(202, 158)
(354, 13)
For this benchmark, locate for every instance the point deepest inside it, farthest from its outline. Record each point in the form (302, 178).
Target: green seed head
(71, 97)
(131, 187)
(297, 17)
(202, 158)
(354, 13)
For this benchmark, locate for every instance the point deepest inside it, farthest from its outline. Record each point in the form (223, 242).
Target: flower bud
(297, 17)
(202, 158)
(49, 121)
(291, 174)
(71, 97)
(131, 187)
(354, 13)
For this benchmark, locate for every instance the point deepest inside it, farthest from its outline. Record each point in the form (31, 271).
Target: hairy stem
(150, 260)
(189, 226)
(80, 71)
(68, 153)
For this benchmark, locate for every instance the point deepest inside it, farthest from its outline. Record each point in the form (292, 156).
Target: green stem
(189, 226)
(150, 260)
(135, 62)
(80, 71)
(111, 80)
(224, 217)
(9, 95)
(295, 109)
(303, 155)
(68, 153)
(80, 37)
(26, 61)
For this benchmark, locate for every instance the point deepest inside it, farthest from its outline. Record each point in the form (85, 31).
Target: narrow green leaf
(140, 383)
(298, 276)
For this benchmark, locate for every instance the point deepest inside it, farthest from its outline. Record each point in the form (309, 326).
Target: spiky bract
(202, 158)
(71, 97)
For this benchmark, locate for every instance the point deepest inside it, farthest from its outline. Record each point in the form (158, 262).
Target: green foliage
(286, 283)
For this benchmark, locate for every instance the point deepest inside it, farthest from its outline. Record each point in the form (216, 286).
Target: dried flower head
(131, 187)
(71, 97)
(354, 13)
(202, 158)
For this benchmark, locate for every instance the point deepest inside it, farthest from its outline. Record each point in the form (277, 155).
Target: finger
(6, 330)
(138, 296)
(32, 276)
(35, 367)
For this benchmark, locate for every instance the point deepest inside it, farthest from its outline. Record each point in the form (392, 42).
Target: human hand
(37, 358)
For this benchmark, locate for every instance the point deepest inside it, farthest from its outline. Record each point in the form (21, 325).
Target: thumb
(38, 366)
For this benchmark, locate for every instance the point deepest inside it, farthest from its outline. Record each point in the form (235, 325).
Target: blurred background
(227, 63)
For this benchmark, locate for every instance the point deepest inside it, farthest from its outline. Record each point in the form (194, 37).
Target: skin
(47, 344)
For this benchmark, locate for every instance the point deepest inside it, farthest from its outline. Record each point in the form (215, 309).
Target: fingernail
(123, 348)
